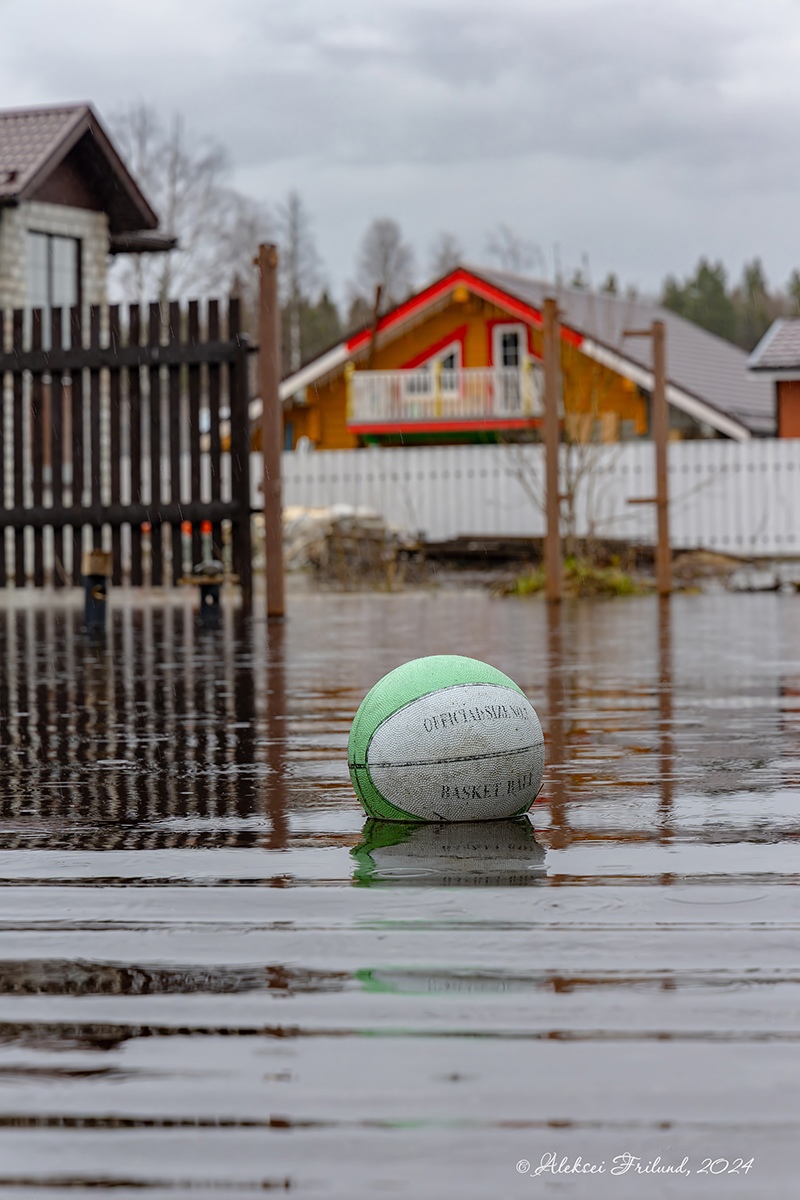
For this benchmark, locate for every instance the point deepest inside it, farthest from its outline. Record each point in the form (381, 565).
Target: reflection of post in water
(276, 735)
(666, 740)
(555, 759)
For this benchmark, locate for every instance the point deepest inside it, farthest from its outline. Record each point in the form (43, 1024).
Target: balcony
(439, 401)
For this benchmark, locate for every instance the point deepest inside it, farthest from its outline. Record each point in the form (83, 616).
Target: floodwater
(216, 979)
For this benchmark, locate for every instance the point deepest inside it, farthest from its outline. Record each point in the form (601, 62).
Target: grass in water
(581, 578)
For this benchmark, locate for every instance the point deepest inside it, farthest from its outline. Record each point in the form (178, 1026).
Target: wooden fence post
(269, 374)
(659, 420)
(660, 437)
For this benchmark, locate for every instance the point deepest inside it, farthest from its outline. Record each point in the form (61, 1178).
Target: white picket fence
(736, 497)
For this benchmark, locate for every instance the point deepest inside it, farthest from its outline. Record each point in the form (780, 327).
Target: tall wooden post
(659, 423)
(660, 437)
(552, 373)
(269, 375)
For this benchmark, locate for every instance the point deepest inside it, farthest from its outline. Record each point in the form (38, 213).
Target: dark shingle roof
(34, 141)
(29, 139)
(779, 349)
(699, 363)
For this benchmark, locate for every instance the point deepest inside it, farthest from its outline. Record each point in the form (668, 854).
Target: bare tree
(385, 261)
(300, 271)
(446, 254)
(185, 179)
(513, 252)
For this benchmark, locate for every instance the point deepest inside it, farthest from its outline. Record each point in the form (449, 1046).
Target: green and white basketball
(446, 738)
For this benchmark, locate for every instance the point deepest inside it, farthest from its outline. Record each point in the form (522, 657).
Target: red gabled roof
(415, 305)
(411, 310)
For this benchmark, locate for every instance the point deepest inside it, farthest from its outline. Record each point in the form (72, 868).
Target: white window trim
(429, 365)
(497, 334)
(453, 347)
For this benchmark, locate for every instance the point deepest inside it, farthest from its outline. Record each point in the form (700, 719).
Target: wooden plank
(154, 405)
(115, 416)
(135, 423)
(3, 580)
(56, 421)
(94, 417)
(174, 400)
(238, 401)
(214, 374)
(193, 334)
(126, 356)
(19, 501)
(37, 447)
(77, 441)
(116, 514)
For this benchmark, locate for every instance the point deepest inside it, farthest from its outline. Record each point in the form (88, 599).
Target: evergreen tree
(755, 307)
(793, 288)
(704, 299)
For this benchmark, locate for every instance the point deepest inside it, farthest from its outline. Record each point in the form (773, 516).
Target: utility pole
(659, 419)
(552, 380)
(269, 376)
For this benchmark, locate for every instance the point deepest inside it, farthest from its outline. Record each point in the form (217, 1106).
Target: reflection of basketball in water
(446, 738)
(467, 854)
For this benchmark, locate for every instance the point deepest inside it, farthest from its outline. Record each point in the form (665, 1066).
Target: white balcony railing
(423, 397)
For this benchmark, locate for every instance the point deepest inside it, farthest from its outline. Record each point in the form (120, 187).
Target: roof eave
(694, 406)
(757, 353)
(142, 242)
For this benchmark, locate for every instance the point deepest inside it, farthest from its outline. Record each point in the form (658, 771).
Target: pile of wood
(349, 547)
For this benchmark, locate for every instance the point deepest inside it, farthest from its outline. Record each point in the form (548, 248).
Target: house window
(509, 346)
(509, 349)
(54, 271)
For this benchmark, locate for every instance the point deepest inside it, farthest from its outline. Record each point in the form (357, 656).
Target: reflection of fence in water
(160, 722)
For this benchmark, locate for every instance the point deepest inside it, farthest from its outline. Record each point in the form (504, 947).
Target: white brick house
(67, 202)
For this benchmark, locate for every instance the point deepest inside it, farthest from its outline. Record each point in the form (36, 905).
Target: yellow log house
(460, 361)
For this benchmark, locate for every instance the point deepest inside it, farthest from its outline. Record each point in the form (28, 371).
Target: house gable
(61, 178)
(34, 143)
(67, 184)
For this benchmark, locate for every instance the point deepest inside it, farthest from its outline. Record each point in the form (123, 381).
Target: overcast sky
(641, 133)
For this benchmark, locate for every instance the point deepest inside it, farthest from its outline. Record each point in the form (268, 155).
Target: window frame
(51, 238)
(502, 327)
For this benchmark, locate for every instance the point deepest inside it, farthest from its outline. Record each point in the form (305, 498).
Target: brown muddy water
(215, 979)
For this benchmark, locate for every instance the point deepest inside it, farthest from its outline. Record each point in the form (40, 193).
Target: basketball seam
(443, 762)
(434, 691)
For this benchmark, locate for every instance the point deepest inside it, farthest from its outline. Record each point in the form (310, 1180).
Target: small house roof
(34, 141)
(779, 349)
(707, 377)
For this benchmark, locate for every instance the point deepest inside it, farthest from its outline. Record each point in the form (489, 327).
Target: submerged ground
(216, 979)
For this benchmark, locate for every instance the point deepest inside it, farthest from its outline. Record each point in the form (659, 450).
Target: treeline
(740, 312)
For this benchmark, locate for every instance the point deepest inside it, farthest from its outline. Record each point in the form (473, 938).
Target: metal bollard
(96, 570)
(209, 574)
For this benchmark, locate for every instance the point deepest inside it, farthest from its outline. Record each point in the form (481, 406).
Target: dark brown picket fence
(111, 440)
